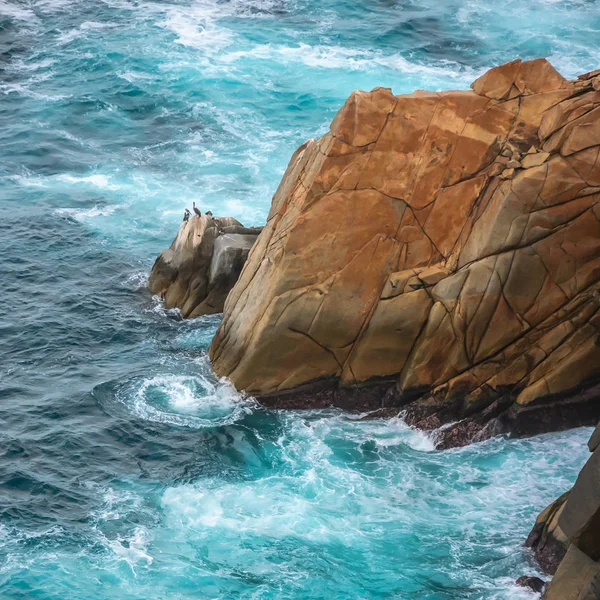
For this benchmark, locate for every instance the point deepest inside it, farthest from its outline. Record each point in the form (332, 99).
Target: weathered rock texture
(202, 264)
(547, 540)
(568, 532)
(441, 249)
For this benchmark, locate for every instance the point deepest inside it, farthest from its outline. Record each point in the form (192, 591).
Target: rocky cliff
(566, 536)
(198, 270)
(438, 252)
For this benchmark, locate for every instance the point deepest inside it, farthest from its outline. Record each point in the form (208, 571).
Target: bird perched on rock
(186, 215)
(196, 210)
(208, 213)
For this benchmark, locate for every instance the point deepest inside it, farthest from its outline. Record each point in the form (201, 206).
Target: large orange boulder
(438, 251)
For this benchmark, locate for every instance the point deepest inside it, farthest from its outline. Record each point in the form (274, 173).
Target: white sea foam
(68, 36)
(158, 308)
(570, 67)
(137, 281)
(132, 76)
(119, 505)
(353, 59)
(28, 180)
(300, 501)
(387, 432)
(83, 214)
(97, 180)
(348, 483)
(24, 90)
(133, 550)
(269, 508)
(17, 12)
(192, 401)
(196, 27)
(21, 65)
(100, 181)
(199, 26)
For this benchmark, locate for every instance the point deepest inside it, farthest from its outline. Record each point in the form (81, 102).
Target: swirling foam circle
(187, 401)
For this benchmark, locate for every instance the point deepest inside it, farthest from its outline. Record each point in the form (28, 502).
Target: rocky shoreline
(435, 254)
(576, 407)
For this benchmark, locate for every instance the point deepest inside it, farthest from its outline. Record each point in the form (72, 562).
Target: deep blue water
(126, 470)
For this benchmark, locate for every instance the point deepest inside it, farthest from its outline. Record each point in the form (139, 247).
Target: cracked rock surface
(438, 252)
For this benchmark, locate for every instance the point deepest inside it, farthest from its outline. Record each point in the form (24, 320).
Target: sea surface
(127, 470)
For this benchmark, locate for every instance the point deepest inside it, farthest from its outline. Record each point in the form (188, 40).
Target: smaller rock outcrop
(203, 263)
(566, 536)
(547, 540)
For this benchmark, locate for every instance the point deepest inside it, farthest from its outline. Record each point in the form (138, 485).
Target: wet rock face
(566, 536)
(203, 263)
(533, 583)
(547, 540)
(439, 251)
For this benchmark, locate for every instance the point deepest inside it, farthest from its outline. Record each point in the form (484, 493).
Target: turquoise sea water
(126, 470)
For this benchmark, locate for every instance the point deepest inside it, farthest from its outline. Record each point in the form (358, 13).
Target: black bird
(197, 211)
(186, 215)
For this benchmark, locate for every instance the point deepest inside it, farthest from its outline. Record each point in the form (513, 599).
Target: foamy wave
(300, 499)
(68, 36)
(196, 26)
(158, 308)
(83, 214)
(570, 67)
(132, 76)
(137, 280)
(192, 401)
(28, 181)
(385, 433)
(101, 181)
(268, 508)
(338, 57)
(504, 588)
(23, 90)
(133, 550)
(17, 12)
(120, 505)
(20, 65)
